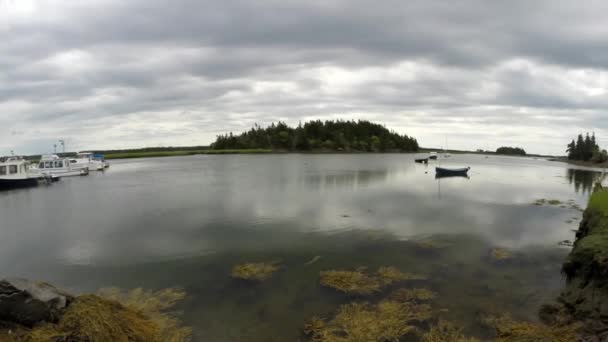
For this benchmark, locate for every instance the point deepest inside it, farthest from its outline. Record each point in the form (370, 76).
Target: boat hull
(441, 171)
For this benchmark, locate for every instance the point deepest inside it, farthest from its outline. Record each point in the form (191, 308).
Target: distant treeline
(153, 149)
(586, 149)
(511, 151)
(363, 136)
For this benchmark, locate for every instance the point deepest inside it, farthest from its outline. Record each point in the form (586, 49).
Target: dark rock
(29, 302)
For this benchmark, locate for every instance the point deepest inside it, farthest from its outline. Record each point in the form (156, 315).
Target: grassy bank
(126, 155)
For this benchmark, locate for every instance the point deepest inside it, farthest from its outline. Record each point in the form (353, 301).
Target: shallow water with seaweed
(484, 245)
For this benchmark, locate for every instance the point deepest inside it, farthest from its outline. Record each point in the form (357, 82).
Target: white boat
(432, 155)
(90, 161)
(16, 172)
(54, 166)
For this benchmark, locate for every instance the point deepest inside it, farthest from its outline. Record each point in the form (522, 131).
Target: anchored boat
(444, 171)
(54, 166)
(16, 172)
(89, 160)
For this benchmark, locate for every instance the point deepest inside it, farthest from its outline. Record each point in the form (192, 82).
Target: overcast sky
(121, 74)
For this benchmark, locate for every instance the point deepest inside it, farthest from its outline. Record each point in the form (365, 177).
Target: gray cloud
(112, 74)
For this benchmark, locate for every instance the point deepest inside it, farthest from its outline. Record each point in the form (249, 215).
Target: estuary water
(186, 221)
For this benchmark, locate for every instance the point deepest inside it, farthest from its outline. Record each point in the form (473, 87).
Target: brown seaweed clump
(500, 254)
(390, 275)
(416, 295)
(94, 319)
(254, 271)
(141, 317)
(432, 244)
(156, 305)
(351, 282)
(445, 331)
(508, 330)
(358, 282)
(385, 321)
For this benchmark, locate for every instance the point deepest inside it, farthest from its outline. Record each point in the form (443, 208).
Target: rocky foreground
(39, 312)
(585, 298)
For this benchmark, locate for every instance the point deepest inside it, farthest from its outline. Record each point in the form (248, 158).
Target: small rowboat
(422, 160)
(442, 171)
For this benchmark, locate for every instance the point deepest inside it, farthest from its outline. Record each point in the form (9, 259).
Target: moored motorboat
(88, 160)
(444, 171)
(15, 172)
(53, 166)
(422, 160)
(433, 155)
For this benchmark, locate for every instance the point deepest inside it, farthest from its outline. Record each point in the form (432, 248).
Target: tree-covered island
(347, 136)
(514, 151)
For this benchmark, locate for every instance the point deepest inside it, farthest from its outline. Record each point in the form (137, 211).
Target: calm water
(184, 221)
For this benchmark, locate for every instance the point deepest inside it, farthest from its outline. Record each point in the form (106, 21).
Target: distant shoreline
(132, 155)
(580, 163)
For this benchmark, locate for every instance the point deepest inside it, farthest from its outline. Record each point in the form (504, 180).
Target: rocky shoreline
(585, 297)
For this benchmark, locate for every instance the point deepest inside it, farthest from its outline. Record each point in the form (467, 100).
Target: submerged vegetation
(445, 331)
(137, 316)
(500, 254)
(358, 282)
(385, 321)
(349, 136)
(508, 330)
(254, 271)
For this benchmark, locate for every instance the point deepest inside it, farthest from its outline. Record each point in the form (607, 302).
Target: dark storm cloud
(182, 67)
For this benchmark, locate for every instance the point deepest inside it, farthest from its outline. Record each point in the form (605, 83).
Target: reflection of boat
(432, 155)
(443, 171)
(450, 175)
(422, 160)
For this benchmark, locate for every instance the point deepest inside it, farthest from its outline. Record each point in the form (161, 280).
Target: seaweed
(358, 282)
(94, 319)
(351, 282)
(412, 295)
(444, 331)
(508, 330)
(385, 321)
(500, 254)
(389, 275)
(155, 305)
(254, 271)
(141, 317)
(432, 244)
